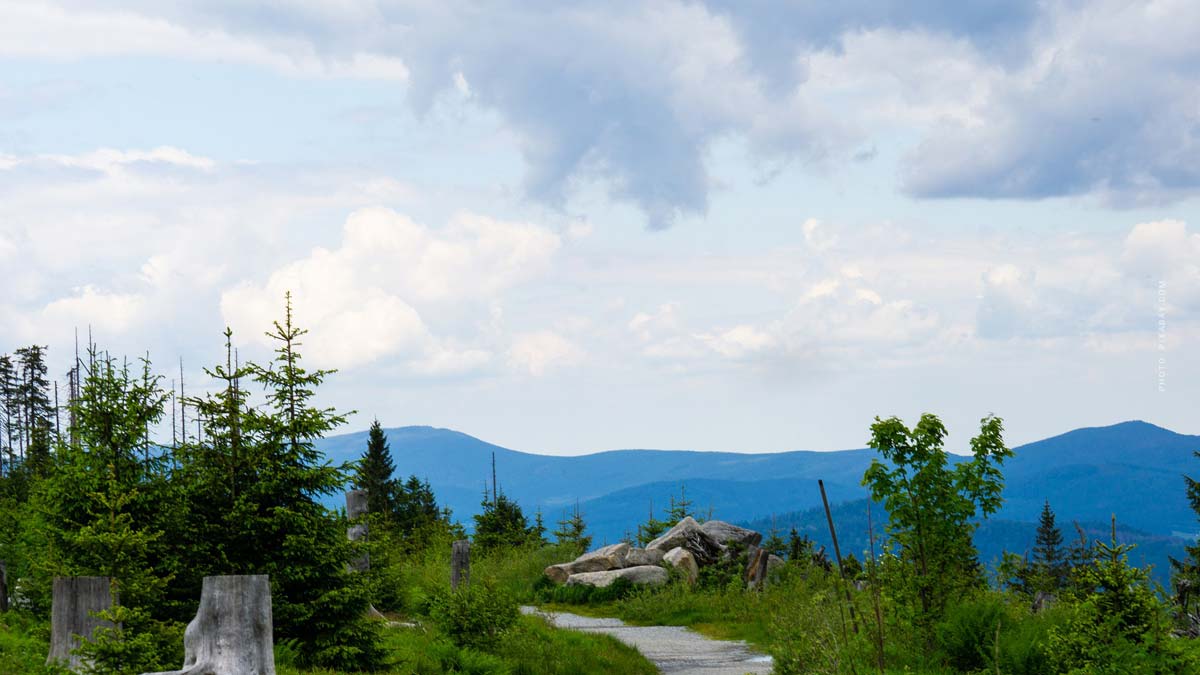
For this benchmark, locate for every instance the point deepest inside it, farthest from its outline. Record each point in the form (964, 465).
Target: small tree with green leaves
(931, 504)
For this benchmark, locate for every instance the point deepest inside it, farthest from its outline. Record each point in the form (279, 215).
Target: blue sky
(745, 226)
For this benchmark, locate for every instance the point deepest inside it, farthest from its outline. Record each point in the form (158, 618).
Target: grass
(530, 648)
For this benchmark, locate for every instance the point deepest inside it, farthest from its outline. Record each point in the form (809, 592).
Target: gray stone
(650, 575)
(643, 556)
(682, 559)
(687, 534)
(725, 534)
(231, 634)
(610, 557)
(75, 601)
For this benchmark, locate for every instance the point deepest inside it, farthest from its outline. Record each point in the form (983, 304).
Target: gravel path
(673, 649)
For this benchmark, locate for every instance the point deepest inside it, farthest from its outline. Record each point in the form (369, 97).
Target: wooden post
(231, 634)
(3, 586)
(75, 600)
(837, 553)
(875, 593)
(460, 563)
(356, 510)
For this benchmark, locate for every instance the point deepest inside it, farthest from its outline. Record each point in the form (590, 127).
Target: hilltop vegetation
(246, 493)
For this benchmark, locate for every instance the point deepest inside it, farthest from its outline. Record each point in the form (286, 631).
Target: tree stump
(231, 634)
(3, 586)
(75, 600)
(460, 563)
(356, 508)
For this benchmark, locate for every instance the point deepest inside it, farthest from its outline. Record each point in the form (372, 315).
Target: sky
(569, 227)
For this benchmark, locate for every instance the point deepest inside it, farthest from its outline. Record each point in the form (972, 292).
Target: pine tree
(256, 480)
(539, 528)
(37, 413)
(679, 509)
(501, 525)
(1049, 558)
(9, 413)
(104, 508)
(774, 543)
(374, 472)
(651, 529)
(416, 509)
(571, 531)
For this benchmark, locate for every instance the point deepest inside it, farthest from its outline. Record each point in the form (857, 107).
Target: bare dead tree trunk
(356, 510)
(75, 601)
(460, 563)
(231, 634)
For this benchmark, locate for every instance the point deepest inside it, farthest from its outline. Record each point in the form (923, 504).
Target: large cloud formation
(1001, 99)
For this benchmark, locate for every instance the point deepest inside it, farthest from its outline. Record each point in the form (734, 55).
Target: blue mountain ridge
(1133, 469)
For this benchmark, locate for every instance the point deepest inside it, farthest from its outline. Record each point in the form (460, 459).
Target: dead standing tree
(72, 617)
(232, 633)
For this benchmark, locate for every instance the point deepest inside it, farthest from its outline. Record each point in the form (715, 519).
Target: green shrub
(968, 635)
(475, 616)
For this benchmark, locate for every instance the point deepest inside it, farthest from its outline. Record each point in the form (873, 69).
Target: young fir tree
(105, 509)
(651, 529)
(9, 414)
(539, 528)
(501, 525)
(37, 412)
(680, 508)
(571, 531)
(1049, 567)
(256, 482)
(416, 509)
(374, 472)
(774, 543)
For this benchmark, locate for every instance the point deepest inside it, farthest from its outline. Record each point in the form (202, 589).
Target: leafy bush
(474, 616)
(968, 635)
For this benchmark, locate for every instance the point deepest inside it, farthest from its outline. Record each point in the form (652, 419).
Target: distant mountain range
(1132, 469)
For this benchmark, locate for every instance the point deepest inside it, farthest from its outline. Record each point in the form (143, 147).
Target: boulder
(774, 562)
(687, 534)
(651, 575)
(683, 560)
(642, 556)
(725, 534)
(601, 560)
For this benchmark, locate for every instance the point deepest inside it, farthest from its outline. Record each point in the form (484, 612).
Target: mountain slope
(1133, 469)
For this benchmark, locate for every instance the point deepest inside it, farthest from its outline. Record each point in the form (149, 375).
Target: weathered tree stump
(756, 567)
(3, 586)
(231, 634)
(460, 563)
(356, 508)
(75, 600)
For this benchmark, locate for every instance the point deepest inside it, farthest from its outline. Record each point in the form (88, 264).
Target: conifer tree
(774, 543)
(501, 525)
(571, 531)
(374, 472)
(257, 479)
(37, 413)
(1049, 558)
(651, 529)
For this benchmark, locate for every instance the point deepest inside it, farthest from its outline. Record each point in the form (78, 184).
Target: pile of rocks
(688, 546)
